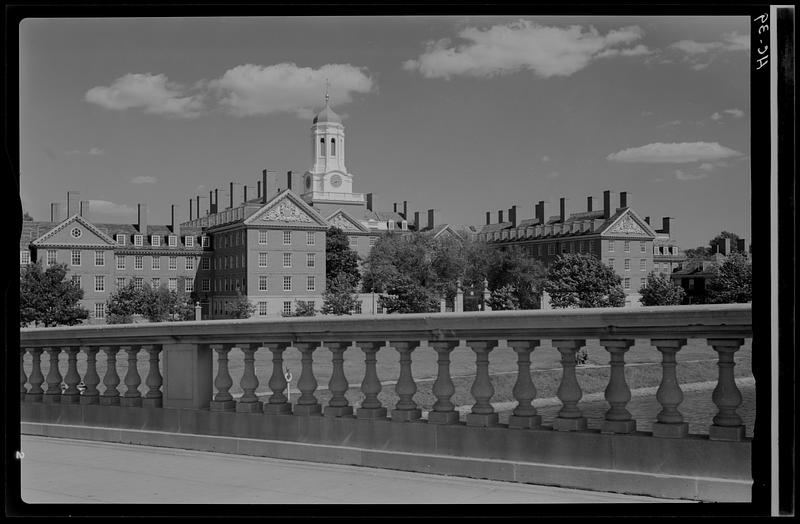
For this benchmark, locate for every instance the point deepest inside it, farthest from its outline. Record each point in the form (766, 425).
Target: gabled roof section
(53, 236)
(444, 230)
(346, 222)
(286, 208)
(625, 222)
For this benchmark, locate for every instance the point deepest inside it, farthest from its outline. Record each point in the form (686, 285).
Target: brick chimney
(623, 199)
(589, 203)
(191, 216)
(606, 204)
(72, 204)
(230, 192)
(647, 220)
(665, 225)
(56, 212)
(84, 211)
(264, 191)
(488, 217)
(258, 189)
(500, 216)
(416, 220)
(176, 225)
(395, 207)
(433, 218)
(562, 209)
(405, 210)
(212, 202)
(540, 211)
(290, 181)
(512, 216)
(741, 246)
(141, 225)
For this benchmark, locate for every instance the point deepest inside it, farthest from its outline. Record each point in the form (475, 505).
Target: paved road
(76, 471)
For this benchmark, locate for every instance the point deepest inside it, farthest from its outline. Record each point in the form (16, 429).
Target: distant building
(693, 275)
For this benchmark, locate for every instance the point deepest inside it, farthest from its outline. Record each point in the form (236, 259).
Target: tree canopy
(340, 259)
(242, 308)
(339, 297)
(661, 291)
(582, 281)
(48, 299)
(156, 305)
(732, 282)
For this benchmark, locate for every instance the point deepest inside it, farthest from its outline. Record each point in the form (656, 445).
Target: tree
(583, 281)
(406, 296)
(512, 267)
(339, 298)
(26, 217)
(47, 298)
(340, 260)
(303, 309)
(242, 308)
(661, 291)
(717, 240)
(126, 302)
(503, 298)
(732, 282)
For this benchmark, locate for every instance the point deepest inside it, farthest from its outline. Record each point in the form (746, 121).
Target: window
(120, 261)
(610, 246)
(611, 262)
(322, 146)
(287, 283)
(262, 237)
(121, 239)
(24, 257)
(138, 240)
(262, 308)
(155, 283)
(205, 263)
(372, 241)
(262, 259)
(642, 264)
(262, 282)
(539, 250)
(310, 238)
(137, 262)
(172, 284)
(206, 285)
(188, 285)
(551, 248)
(155, 240)
(580, 246)
(173, 241)
(287, 307)
(189, 263)
(99, 283)
(627, 264)
(287, 260)
(642, 247)
(287, 238)
(51, 257)
(353, 242)
(100, 310)
(99, 258)
(310, 283)
(189, 241)
(173, 263)
(333, 147)
(390, 224)
(120, 282)
(137, 283)
(76, 257)
(311, 259)
(156, 263)
(627, 283)
(357, 308)
(76, 280)
(204, 242)
(627, 246)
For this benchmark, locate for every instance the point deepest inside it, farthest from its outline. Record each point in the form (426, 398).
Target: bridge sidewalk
(76, 471)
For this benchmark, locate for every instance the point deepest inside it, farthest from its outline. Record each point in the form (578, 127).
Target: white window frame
(100, 310)
(120, 239)
(262, 309)
(352, 241)
(120, 282)
(263, 259)
(642, 247)
(75, 255)
(138, 262)
(138, 240)
(627, 282)
(172, 284)
(155, 282)
(189, 241)
(311, 239)
(76, 279)
(24, 257)
(287, 307)
(205, 285)
(311, 282)
(287, 260)
(101, 257)
(287, 235)
(155, 240)
(627, 264)
(205, 263)
(188, 263)
(287, 280)
(173, 241)
(311, 260)
(120, 261)
(262, 237)
(643, 264)
(204, 241)
(99, 284)
(155, 262)
(138, 283)
(188, 285)
(52, 257)
(611, 262)
(610, 246)
(263, 283)
(173, 263)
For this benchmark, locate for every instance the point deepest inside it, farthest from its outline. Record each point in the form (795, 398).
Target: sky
(460, 114)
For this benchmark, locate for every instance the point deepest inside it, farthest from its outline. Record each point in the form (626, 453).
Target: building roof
(31, 230)
(327, 115)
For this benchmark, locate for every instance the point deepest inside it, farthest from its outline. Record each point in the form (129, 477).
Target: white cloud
(95, 151)
(151, 93)
(680, 175)
(708, 166)
(110, 208)
(524, 45)
(249, 89)
(675, 153)
(553, 174)
(700, 54)
(716, 116)
(144, 180)
(735, 113)
(545, 159)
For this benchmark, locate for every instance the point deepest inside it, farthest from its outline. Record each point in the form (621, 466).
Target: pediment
(628, 224)
(346, 222)
(75, 231)
(286, 209)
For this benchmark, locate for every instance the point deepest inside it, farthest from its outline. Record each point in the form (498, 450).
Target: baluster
(223, 400)
(53, 393)
(338, 405)
(726, 396)
(618, 419)
(371, 385)
(524, 415)
(153, 397)
(307, 404)
(110, 396)
(669, 422)
(36, 379)
(132, 396)
(569, 391)
(72, 395)
(23, 378)
(249, 402)
(277, 403)
(405, 410)
(91, 379)
(443, 411)
(482, 413)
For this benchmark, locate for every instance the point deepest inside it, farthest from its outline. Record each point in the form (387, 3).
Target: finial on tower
(327, 86)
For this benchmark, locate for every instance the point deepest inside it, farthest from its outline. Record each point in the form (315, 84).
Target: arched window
(322, 146)
(333, 147)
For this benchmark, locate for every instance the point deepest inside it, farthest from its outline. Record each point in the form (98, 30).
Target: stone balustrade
(180, 358)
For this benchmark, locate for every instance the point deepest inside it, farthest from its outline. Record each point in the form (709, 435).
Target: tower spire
(327, 87)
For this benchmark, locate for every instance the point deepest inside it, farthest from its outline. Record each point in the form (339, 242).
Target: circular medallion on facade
(336, 181)
(76, 232)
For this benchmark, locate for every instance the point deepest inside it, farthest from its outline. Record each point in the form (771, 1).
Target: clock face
(336, 181)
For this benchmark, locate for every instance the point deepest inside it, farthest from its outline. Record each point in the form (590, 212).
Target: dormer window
(189, 241)
(155, 240)
(173, 241)
(121, 240)
(138, 240)
(204, 242)
(391, 224)
(404, 224)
